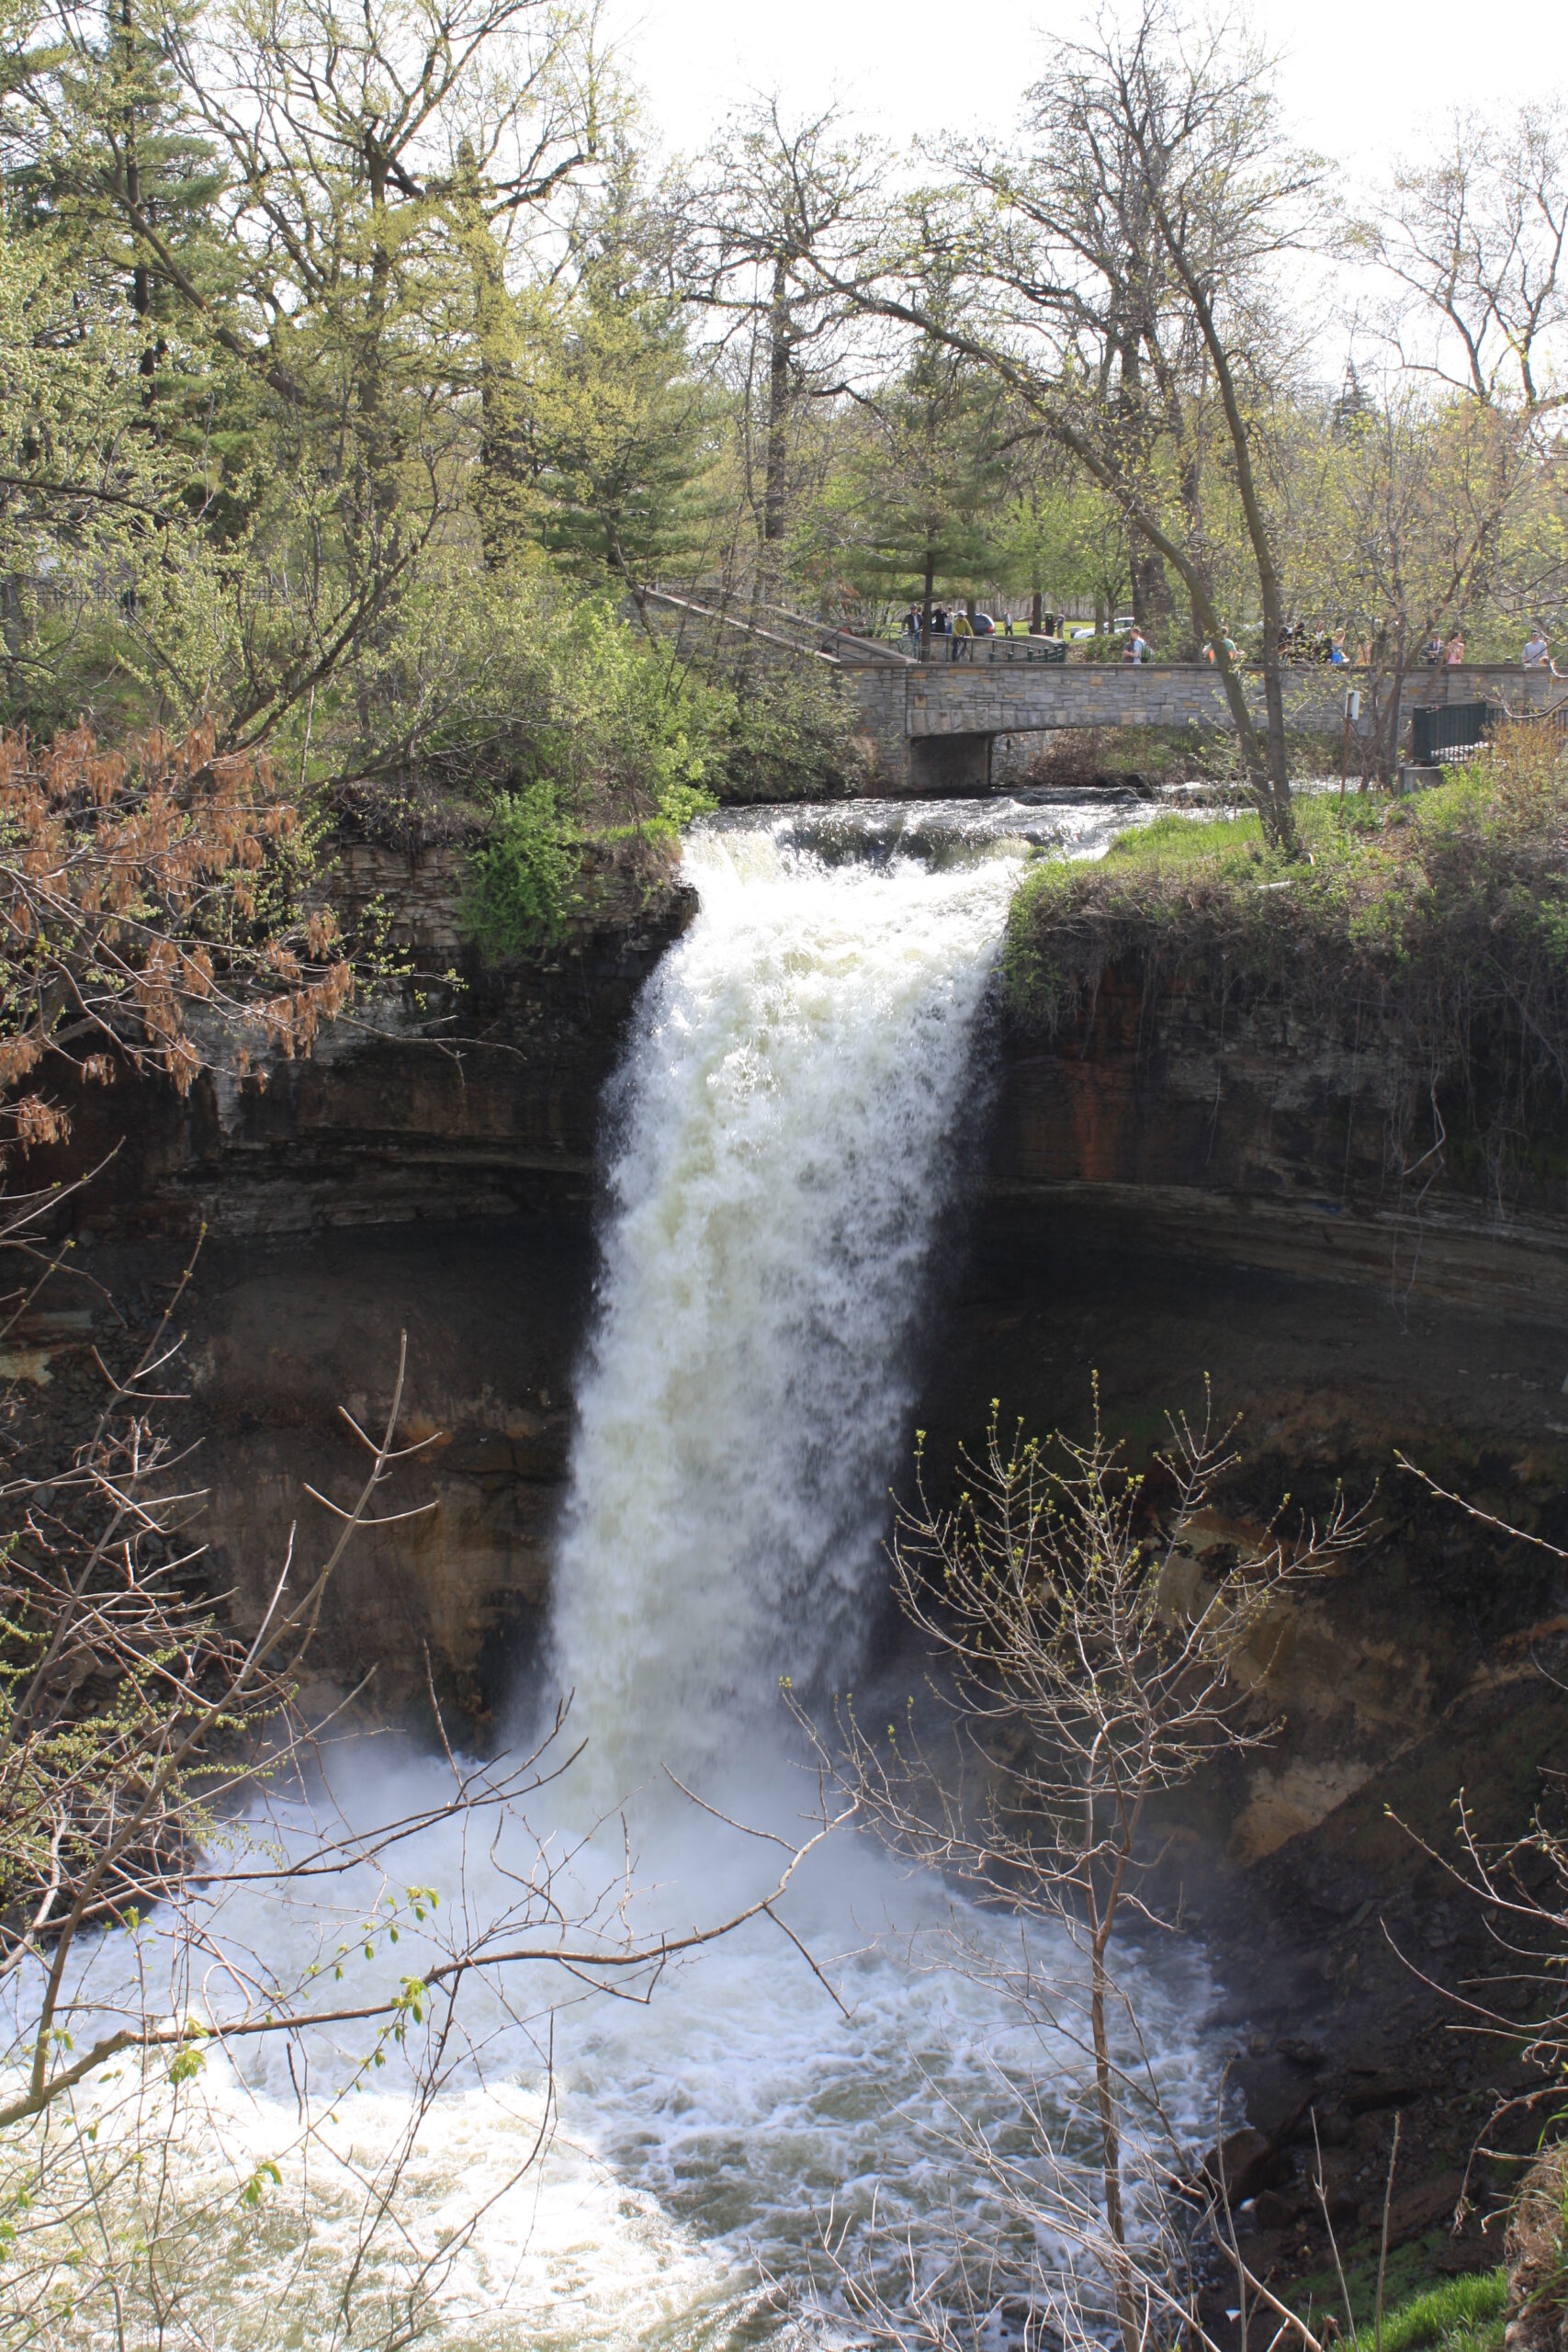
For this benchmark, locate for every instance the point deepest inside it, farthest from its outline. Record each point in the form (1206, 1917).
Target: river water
(799, 1107)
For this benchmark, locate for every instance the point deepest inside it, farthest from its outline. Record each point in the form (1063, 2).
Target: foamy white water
(787, 1142)
(798, 1104)
(796, 1112)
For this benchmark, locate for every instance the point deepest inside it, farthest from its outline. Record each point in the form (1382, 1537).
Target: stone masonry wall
(963, 704)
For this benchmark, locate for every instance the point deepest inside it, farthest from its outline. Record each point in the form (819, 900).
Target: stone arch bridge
(929, 726)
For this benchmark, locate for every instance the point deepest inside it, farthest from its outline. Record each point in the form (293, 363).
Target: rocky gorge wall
(1196, 1118)
(432, 1169)
(1188, 1195)
(449, 1091)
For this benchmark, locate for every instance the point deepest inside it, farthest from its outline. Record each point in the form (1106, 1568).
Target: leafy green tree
(1191, 120)
(621, 430)
(932, 470)
(759, 231)
(1063, 536)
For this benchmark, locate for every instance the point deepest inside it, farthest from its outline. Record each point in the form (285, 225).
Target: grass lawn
(1455, 2316)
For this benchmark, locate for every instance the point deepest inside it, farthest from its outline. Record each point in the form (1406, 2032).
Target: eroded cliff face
(432, 1169)
(450, 1603)
(1325, 1386)
(1192, 1116)
(1316, 1869)
(449, 1091)
(1204, 1205)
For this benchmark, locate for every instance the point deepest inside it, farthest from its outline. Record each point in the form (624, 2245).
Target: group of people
(1440, 652)
(1447, 653)
(1298, 643)
(961, 628)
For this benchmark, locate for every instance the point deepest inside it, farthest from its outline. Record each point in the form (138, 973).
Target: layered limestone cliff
(1189, 1115)
(1206, 1204)
(447, 1091)
(432, 1169)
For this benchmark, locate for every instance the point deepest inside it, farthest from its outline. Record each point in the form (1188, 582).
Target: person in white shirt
(1538, 653)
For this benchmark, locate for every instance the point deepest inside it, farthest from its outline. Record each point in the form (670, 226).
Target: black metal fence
(1445, 731)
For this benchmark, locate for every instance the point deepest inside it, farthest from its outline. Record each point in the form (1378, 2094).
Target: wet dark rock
(1244, 2164)
(1429, 2204)
(1369, 2093)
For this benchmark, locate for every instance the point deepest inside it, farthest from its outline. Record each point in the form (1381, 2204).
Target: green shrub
(1106, 646)
(791, 737)
(523, 880)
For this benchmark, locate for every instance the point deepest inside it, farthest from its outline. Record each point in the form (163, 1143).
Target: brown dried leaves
(129, 896)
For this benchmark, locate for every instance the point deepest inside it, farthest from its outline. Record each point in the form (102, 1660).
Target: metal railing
(1441, 733)
(993, 648)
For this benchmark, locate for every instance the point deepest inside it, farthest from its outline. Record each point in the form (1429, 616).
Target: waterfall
(787, 1135)
(797, 1108)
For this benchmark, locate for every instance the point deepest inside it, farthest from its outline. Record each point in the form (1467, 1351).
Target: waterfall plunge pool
(798, 1106)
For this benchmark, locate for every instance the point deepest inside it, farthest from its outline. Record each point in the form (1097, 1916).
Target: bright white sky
(1362, 77)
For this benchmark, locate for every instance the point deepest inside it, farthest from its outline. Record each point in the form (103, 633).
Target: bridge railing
(1444, 733)
(993, 648)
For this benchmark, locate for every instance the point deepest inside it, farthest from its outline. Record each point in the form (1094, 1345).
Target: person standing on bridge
(963, 637)
(1536, 654)
(1453, 651)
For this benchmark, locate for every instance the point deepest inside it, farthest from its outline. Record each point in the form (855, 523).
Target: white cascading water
(786, 1146)
(792, 1120)
(799, 1104)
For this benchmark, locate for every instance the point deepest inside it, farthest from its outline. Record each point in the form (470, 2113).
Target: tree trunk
(775, 487)
(1153, 606)
(1111, 2153)
(141, 277)
(1272, 787)
(11, 630)
(500, 470)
